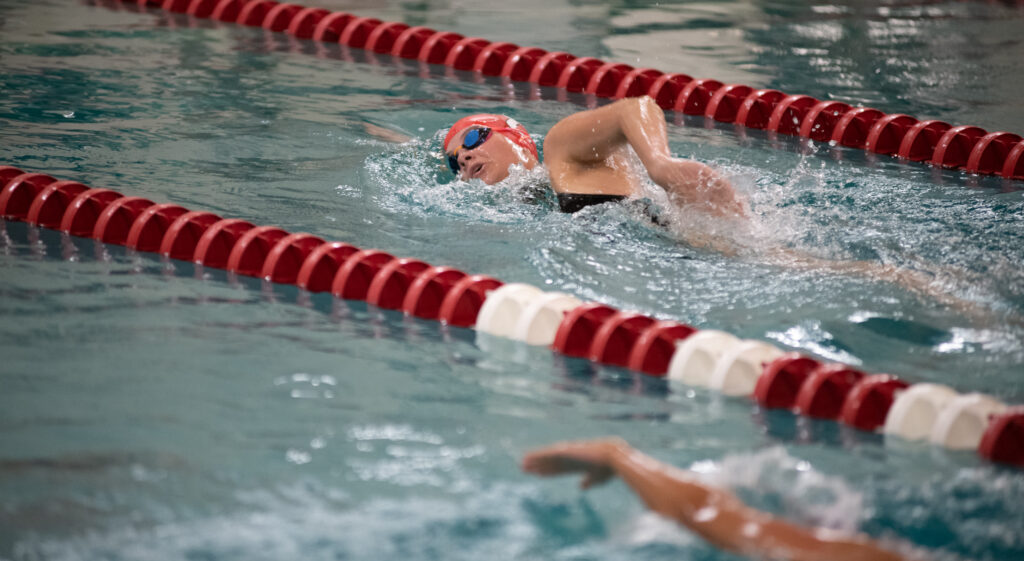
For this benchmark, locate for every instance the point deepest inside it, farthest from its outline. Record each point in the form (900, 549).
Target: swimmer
(587, 156)
(714, 514)
(588, 159)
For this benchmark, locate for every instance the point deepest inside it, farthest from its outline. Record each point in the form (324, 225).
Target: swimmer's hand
(387, 135)
(593, 458)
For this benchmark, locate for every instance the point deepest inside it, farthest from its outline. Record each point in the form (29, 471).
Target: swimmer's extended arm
(591, 138)
(714, 514)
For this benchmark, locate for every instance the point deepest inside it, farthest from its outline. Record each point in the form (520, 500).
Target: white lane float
(539, 319)
(739, 367)
(502, 308)
(914, 411)
(962, 422)
(696, 356)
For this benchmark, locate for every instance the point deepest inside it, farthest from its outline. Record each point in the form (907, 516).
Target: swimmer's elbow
(639, 108)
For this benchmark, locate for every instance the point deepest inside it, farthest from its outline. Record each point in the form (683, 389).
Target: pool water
(151, 409)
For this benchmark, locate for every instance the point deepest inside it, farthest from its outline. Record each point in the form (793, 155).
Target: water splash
(779, 482)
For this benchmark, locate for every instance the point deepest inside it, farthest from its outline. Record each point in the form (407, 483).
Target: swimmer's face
(489, 161)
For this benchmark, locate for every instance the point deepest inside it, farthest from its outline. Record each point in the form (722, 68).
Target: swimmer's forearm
(674, 494)
(722, 519)
(662, 487)
(686, 181)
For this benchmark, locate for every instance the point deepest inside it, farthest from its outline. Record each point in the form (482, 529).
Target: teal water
(150, 410)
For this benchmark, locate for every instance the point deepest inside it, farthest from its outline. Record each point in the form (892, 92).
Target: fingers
(534, 463)
(546, 462)
(566, 457)
(596, 476)
(588, 481)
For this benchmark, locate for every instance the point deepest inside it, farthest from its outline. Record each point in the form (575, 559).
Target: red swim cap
(505, 126)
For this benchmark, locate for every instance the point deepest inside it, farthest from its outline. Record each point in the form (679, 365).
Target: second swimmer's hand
(593, 458)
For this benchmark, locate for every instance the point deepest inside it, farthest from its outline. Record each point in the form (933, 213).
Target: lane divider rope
(706, 358)
(938, 143)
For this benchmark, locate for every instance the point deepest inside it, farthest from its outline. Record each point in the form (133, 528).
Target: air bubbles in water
(298, 457)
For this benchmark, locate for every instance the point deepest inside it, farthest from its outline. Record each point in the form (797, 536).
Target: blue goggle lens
(473, 139)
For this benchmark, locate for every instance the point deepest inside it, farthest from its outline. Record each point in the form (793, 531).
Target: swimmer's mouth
(474, 170)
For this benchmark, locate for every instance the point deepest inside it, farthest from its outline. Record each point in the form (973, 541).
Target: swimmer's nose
(465, 157)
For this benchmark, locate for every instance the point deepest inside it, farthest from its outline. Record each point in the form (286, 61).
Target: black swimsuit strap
(574, 202)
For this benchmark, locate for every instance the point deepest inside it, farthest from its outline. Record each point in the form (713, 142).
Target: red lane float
(491, 59)
(666, 89)
(330, 27)
(227, 10)
(436, 48)
(853, 128)
(869, 401)
(286, 257)
(19, 191)
(823, 392)
(1003, 441)
(549, 67)
(253, 12)
(176, 6)
(428, 291)
(215, 245)
(887, 133)
(357, 32)
(462, 303)
(789, 114)
(1014, 167)
(279, 17)
(8, 173)
(382, 38)
(653, 350)
(637, 82)
(725, 104)
(410, 42)
(576, 332)
(251, 250)
(353, 279)
(919, 143)
(322, 264)
(614, 340)
(694, 97)
(780, 382)
(756, 110)
(201, 8)
(391, 283)
(577, 73)
(82, 213)
(821, 119)
(148, 229)
(116, 219)
(604, 82)
(303, 25)
(955, 146)
(49, 205)
(991, 152)
(520, 62)
(462, 54)
(183, 234)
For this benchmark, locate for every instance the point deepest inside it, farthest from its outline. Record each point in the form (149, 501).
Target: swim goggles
(473, 139)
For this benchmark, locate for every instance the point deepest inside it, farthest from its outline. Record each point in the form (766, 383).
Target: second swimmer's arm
(714, 514)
